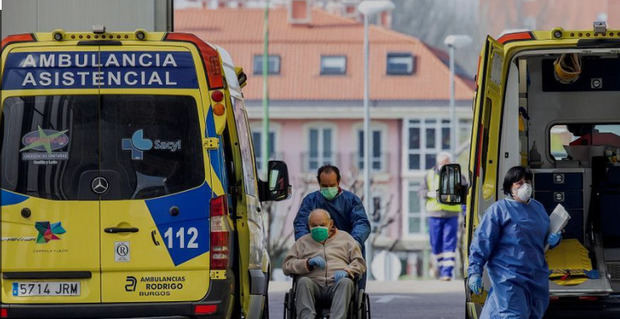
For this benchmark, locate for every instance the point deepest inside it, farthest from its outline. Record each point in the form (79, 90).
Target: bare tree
(279, 233)
(431, 21)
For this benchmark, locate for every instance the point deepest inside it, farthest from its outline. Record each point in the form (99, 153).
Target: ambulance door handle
(114, 230)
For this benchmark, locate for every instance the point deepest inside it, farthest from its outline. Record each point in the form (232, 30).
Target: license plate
(46, 288)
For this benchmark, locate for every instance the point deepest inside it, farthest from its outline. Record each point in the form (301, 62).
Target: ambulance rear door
(484, 146)
(155, 213)
(49, 215)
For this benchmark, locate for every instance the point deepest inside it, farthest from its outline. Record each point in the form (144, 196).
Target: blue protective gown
(510, 240)
(346, 211)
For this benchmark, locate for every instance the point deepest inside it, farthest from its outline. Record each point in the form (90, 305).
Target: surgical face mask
(319, 233)
(524, 192)
(329, 192)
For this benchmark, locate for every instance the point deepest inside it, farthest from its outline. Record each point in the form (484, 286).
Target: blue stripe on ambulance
(191, 224)
(9, 198)
(214, 155)
(110, 69)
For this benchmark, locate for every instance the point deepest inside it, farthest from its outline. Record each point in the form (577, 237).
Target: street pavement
(421, 299)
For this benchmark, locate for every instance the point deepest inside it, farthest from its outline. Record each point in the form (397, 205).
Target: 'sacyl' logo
(138, 144)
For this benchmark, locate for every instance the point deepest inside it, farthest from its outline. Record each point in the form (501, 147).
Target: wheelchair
(359, 306)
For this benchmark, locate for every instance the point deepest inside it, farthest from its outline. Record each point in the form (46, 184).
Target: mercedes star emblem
(99, 185)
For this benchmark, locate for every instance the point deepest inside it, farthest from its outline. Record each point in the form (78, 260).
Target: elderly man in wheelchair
(326, 262)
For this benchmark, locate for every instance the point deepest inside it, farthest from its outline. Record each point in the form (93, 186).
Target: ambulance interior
(562, 120)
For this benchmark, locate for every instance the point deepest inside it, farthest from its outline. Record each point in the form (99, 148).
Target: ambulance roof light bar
(98, 28)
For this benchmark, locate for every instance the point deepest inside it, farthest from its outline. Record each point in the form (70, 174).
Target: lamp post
(454, 41)
(265, 135)
(369, 8)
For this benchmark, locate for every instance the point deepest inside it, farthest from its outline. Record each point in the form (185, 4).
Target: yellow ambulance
(128, 181)
(548, 100)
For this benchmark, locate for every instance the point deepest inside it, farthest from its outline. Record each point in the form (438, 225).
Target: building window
(426, 138)
(376, 156)
(400, 63)
(273, 63)
(333, 64)
(320, 147)
(257, 141)
(415, 213)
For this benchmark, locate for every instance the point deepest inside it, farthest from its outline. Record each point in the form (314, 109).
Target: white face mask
(524, 192)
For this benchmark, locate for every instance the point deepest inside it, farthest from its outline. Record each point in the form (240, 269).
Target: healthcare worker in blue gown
(510, 241)
(345, 208)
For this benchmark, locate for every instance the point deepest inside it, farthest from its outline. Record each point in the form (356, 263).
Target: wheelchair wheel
(363, 306)
(289, 305)
(285, 309)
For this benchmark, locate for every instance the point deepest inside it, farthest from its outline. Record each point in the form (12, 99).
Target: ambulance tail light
(220, 233)
(4, 313)
(209, 55)
(588, 298)
(217, 96)
(205, 309)
(25, 37)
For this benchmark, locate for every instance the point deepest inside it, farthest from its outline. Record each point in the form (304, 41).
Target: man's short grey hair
(319, 210)
(443, 156)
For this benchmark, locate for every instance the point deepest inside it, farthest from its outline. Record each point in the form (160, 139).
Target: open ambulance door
(483, 161)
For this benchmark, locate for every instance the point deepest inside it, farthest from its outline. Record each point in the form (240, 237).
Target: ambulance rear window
(58, 147)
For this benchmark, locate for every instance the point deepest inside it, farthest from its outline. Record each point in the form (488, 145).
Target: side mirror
(241, 76)
(451, 190)
(277, 188)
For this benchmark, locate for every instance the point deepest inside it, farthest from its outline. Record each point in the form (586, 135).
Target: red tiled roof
(240, 32)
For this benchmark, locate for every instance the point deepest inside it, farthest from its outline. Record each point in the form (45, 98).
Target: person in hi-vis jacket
(442, 222)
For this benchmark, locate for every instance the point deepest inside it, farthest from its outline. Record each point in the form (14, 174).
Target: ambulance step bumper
(217, 304)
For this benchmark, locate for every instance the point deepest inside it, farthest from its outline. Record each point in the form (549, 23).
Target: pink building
(316, 91)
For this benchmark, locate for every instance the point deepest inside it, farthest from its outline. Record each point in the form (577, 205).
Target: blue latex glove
(339, 275)
(475, 283)
(554, 239)
(317, 261)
